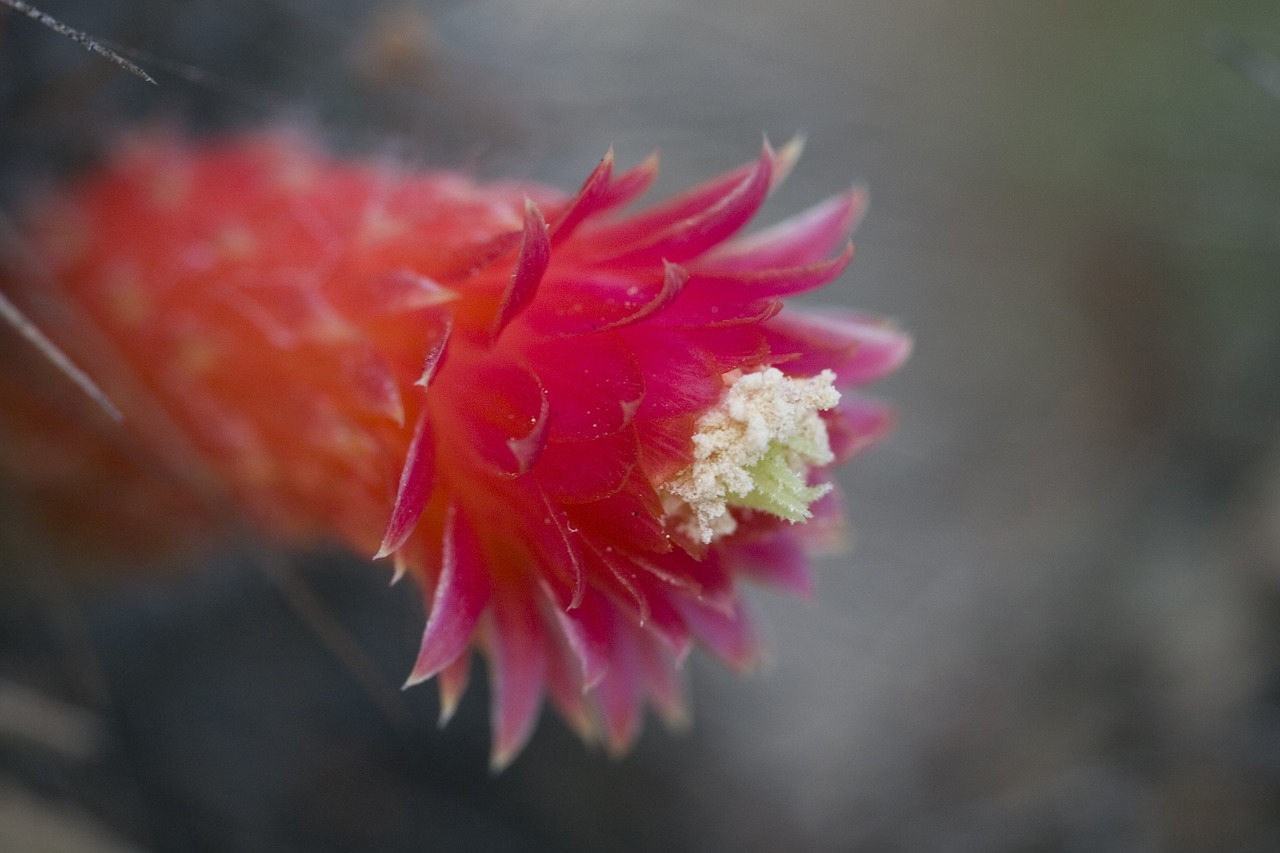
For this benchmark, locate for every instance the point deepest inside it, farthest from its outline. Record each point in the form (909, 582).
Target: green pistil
(777, 488)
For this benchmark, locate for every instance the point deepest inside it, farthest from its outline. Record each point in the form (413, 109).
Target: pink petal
(557, 546)
(452, 684)
(778, 561)
(564, 688)
(857, 348)
(856, 424)
(619, 697)
(461, 594)
(798, 241)
(517, 670)
(590, 632)
(672, 212)
(710, 309)
(726, 635)
(632, 183)
(417, 481)
(535, 254)
(591, 198)
(677, 381)
(661, 680)
(688, 236)
(769, 281)
(592, 383)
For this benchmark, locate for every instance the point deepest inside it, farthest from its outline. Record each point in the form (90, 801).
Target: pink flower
(577, 429)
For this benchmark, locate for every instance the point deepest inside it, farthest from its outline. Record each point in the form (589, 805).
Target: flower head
(577, 429)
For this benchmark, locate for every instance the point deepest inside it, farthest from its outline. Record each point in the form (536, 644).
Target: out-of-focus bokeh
(1059, 628)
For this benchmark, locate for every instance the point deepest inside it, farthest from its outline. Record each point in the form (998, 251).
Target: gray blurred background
(1059, 628)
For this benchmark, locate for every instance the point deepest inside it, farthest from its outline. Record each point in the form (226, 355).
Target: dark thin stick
(335, 637)
(10, 314)
(78, 36)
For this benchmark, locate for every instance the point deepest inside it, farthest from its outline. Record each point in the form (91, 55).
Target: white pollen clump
(761, 412)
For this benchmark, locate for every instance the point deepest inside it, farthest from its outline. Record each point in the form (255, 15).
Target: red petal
(704, 579)
(535, 254)
(710, 309)
(632, 183)
(439, 337)
(417, 480)
(666, 445)
(505, 416)
(631, 518)
(461, 594)
(585, 471)
(371, 383)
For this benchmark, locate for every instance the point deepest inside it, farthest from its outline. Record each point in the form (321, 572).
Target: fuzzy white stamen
(761, 413)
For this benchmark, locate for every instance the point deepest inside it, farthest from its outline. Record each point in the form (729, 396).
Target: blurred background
(1059, 628)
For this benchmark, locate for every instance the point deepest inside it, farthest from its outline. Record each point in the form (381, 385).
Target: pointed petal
(661, 681)
(590, 632)
(859, 349)
(417, 481)
(439, 341)
(727, 635)
(800, 240)
(452, 683)
(591, 198)
(372, 385)
(778, 561)
(517, 668)
(461, 594)
(557, 545)
(691, 236)
(535, 254)
(619, 697)
(763, 282)
(632, 183)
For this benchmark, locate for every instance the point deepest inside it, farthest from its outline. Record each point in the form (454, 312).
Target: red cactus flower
(577, 429)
